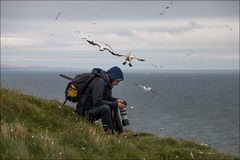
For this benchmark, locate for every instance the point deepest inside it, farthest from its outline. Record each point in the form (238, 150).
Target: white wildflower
(203, 144)
(59, 107)
(83, 148)
(32, 136)
(42, 137)
(11, 130)
(191, 154)
(52, 142)
(60, 153)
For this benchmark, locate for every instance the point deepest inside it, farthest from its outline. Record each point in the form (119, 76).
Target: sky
(189, 35)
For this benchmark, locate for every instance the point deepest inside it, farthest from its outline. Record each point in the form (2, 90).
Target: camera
(123, 113)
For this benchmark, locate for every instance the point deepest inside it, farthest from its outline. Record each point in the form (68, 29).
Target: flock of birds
(128, 56)
(106, 47)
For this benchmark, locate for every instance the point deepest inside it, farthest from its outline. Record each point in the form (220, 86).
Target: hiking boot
(123, 134)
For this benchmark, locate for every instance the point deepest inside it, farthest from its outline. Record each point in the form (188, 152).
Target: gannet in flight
(166, 8)
(107, 47)
(102, 47)
(58, 15)
(129, 58)
(145, 88)
(188, 54)
(103, 14)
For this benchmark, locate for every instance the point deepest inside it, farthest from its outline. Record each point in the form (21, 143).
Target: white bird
(166, 8)
(58, 15)
(146, 88)
(128, 57)
(103, 14)
(93, 22)
(188, 54)
(102, 47)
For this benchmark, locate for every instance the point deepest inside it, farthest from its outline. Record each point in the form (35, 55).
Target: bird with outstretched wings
(58, 15)
(107, 47)
(146, 88)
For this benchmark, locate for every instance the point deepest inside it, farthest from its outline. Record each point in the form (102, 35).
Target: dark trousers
(110, 118)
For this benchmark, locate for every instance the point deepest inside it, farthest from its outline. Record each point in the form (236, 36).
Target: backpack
(76, 87)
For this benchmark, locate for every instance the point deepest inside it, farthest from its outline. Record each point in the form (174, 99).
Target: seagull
(107, 47)
(129, 58)
(101, 47)
(58, 15)
(145, 88)
(103, 14)
(166, 8)
(188, 54)
(93, 22)
(164, 11)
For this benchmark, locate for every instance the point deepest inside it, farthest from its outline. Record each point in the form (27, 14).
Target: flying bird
(128, 57)
(166, 8)
(58, 15)
(102, 47)
(103, 14)
(188, 54)
(146, 88)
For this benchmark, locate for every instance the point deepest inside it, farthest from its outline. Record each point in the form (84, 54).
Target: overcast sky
(208, 30)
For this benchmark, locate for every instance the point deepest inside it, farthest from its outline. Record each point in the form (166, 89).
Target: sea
(201, 106)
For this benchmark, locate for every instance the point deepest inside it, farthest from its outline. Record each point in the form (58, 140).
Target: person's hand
(121, 106)
(119, 100)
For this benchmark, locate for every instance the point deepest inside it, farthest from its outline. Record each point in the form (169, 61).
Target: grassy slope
(33, 128)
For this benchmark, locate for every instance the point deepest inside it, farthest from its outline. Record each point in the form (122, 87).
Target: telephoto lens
(123, 113)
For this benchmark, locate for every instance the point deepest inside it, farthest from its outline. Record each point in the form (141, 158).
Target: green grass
(34, 128)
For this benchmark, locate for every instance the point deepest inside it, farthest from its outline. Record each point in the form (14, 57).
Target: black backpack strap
(65, 101)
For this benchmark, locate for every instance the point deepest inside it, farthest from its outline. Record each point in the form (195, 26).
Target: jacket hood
(101, 73)
(115, 73)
